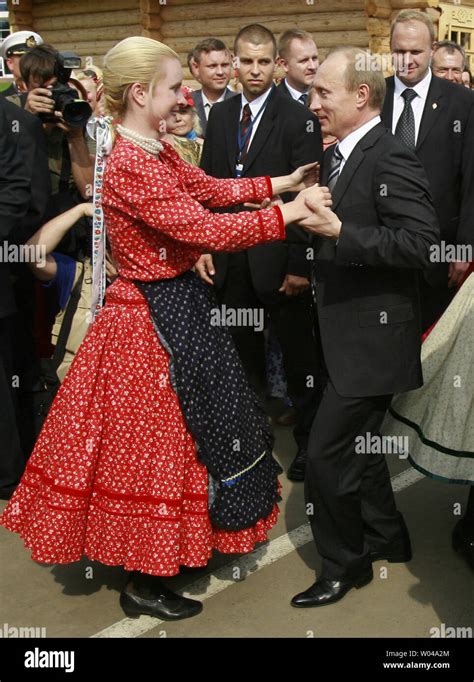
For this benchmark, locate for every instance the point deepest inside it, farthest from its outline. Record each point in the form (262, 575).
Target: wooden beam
(378, 27)
(86, 21)
(230, 8)
(57, 8)
(324, 21)
(378, 8)
(107, 33)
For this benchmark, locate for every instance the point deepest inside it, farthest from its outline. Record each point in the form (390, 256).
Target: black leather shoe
(166, 606)
(329, 591)
(463, 542)
(298, 466)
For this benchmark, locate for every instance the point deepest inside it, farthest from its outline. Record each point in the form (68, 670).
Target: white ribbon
(100, 130)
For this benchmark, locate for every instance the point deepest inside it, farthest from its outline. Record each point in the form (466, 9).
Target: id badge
(238, 170)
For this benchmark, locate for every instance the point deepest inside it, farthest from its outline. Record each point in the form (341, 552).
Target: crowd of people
(297, 238)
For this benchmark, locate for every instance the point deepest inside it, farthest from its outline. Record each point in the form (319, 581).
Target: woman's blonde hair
(134, 60)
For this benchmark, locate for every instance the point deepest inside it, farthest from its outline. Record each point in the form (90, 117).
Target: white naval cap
(20, 42)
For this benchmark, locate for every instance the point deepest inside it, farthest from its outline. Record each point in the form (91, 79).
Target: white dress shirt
(296, 94)
(417, 104)
(208, 105)
(255, 107)
(346, 146)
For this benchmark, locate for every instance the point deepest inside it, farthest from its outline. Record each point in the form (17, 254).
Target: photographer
(70, 165)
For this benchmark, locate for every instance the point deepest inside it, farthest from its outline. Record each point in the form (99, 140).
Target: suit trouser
(294, 328)
(12, 460)
(349, 492)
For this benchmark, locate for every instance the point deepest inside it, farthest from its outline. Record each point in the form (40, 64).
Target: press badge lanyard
(242, 141)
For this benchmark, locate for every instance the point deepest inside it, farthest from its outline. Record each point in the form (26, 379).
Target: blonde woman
(137, 465)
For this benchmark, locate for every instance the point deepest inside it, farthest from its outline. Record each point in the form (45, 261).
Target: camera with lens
(76, 112)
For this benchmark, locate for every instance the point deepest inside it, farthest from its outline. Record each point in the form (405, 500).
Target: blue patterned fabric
(231, 430)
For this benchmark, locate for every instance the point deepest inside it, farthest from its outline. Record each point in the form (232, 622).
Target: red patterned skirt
(114, 474)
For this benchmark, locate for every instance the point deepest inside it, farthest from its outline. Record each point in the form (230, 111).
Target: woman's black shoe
(147, 595)
(167, 606)
(463, 542)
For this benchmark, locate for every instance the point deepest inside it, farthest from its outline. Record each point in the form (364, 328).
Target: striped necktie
(244, 126)
(303, 98)
(334, 168)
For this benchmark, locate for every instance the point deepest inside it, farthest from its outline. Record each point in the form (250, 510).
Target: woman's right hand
(317, 194)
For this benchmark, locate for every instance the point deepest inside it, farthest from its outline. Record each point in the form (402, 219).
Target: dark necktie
(405, 129)
(334, 168)
(303, 98)
(244, 126)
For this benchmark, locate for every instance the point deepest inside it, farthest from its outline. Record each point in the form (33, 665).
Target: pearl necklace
(148, 144)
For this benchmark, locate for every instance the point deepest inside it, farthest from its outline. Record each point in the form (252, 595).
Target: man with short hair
(260, 132)
(13, 48)
(435, 118)
(369, 247)
(449, 60)
(210, 64)
(298, 55)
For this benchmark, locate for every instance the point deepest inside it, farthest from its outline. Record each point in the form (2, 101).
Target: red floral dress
(114, 474)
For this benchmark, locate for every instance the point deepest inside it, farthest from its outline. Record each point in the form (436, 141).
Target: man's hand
(456, 271)
(322, 221)
(39, 101)
(71, 131)
(294, 285)
(204, 267)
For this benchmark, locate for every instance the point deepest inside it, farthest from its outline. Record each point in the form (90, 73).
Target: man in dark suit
(263, 133)
(435, 118)
(210, 64)
(369, 247)
(298, 55)
(24, 194)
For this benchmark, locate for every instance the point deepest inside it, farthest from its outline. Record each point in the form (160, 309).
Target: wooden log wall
(335, 22)
(87, 27)
(91, 27)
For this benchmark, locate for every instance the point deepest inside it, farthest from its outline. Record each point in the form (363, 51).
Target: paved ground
(249, 596)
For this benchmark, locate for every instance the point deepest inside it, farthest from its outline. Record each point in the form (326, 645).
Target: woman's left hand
(305, 176)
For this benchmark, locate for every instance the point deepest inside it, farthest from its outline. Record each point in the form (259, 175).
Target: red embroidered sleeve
(218, 192)
(147, 192)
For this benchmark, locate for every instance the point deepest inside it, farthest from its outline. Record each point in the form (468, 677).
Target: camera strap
(66, 168)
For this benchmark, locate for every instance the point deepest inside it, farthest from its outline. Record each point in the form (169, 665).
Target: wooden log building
(90, 28)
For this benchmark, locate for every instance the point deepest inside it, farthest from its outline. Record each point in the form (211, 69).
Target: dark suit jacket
(287, 136)
(199, 106)
(283, 90)
(24, 184)
(445, 147)
(366, 286)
